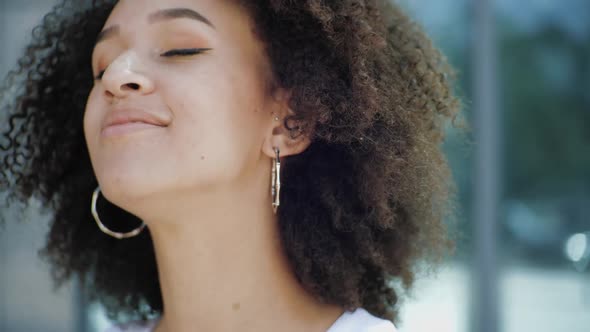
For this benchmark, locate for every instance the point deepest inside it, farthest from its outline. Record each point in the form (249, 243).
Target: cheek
(216, 102)
(217, 124)
(91, 123)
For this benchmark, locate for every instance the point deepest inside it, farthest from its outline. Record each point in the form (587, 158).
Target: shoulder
(136, 326)
(360, 320)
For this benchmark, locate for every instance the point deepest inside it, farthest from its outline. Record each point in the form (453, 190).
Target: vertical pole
(486, 173)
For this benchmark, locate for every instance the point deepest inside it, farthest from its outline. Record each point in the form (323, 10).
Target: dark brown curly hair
(362, 206)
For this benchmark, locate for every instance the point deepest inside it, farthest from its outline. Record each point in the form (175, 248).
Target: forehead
(225, 14)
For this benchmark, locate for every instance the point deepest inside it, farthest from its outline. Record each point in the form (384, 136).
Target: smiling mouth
(126, 128)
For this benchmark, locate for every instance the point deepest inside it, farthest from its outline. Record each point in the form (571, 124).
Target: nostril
(130, 86)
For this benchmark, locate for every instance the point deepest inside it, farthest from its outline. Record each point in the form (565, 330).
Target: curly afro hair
(362, 206)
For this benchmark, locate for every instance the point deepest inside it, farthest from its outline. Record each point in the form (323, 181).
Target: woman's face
(212, 107)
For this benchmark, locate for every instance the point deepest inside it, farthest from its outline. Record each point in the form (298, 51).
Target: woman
(215, 165)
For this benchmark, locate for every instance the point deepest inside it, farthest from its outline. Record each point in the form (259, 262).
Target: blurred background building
(522, 263)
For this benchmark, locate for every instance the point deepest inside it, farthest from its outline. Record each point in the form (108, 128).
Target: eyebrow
(158, 16)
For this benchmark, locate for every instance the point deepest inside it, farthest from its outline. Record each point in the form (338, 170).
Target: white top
(358, 320)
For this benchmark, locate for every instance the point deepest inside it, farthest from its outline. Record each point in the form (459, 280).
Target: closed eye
(171, 53)
(184, 52)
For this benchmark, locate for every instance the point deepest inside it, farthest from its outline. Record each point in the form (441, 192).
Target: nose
(124, 76)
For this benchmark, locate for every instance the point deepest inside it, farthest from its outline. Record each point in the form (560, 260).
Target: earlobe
(293, 146)
(280, 137)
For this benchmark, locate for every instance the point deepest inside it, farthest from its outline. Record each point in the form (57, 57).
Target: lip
(127, 120)
(126, 128)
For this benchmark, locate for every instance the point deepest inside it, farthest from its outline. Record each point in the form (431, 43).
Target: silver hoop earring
(276, 181)
(104, 228)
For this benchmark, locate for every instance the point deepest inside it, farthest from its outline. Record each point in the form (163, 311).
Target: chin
(125, 189)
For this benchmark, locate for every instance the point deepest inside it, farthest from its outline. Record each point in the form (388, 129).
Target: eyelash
(171, 53)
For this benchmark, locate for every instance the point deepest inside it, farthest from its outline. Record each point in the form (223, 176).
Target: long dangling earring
(276, 181)
(104, 228)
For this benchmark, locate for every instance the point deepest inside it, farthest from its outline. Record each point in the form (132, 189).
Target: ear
(278, 136)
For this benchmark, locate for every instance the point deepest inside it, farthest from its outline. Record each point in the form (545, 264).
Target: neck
(222, 268)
